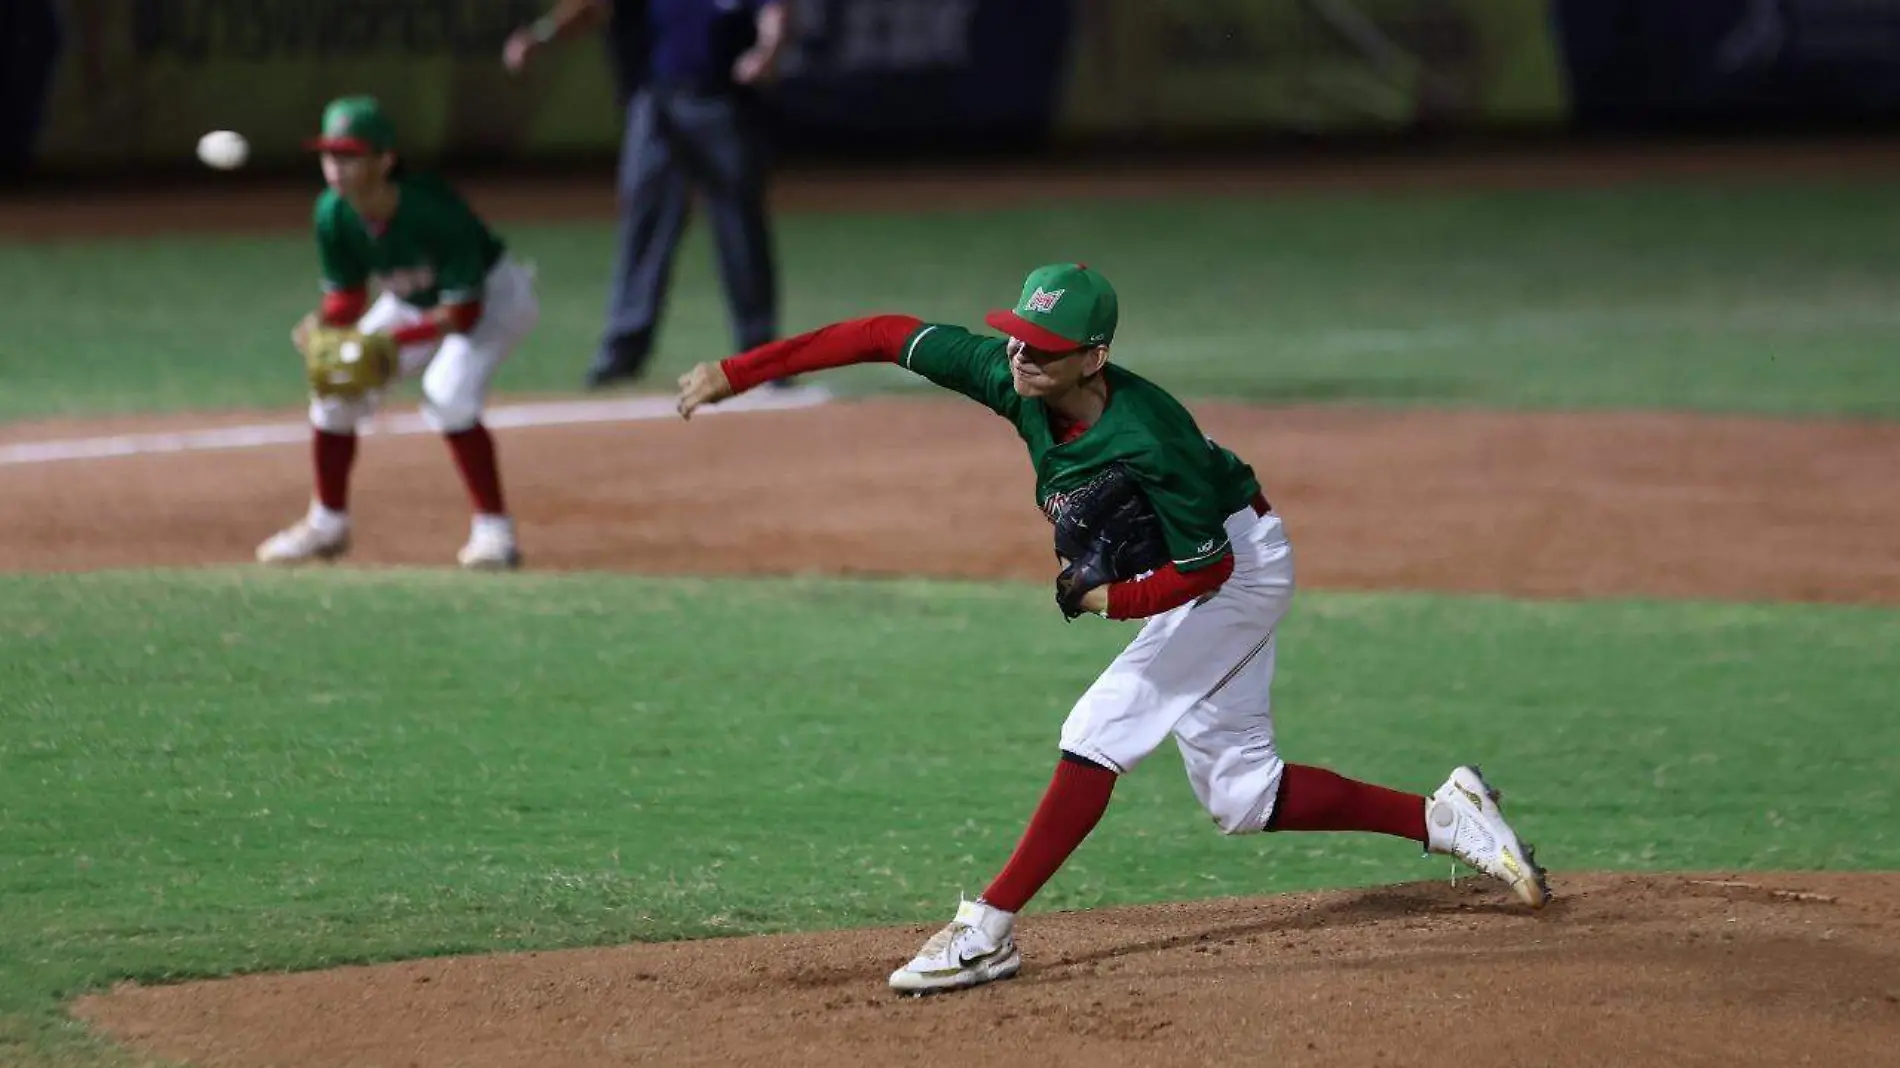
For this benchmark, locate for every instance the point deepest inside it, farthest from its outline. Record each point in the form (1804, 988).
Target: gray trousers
(676, 140)
(31, 42)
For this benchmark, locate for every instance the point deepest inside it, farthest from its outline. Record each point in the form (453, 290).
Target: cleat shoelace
(940, 942)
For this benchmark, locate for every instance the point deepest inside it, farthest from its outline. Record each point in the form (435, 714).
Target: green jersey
(1193, 483)
(434, 250)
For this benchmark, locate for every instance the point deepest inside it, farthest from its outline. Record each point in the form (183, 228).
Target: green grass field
(232, 770)
(224, 771)
(1758, 299)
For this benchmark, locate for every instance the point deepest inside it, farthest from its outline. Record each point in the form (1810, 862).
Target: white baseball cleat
(977, 947)
(304, 541)
(491, 545)
(1463, 820)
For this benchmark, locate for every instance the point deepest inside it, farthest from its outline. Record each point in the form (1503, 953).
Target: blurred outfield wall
(128, 85)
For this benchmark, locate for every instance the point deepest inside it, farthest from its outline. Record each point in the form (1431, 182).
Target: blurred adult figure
(689, 74)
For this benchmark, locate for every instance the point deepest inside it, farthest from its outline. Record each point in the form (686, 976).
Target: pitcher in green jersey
(451, 298)
(1201, 666)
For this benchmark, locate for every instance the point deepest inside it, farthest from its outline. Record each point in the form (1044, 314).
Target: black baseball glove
(1107, 532)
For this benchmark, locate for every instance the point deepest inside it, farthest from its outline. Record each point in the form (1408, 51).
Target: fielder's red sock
(1077, 796)
(474, 453)
(1314, 799)
(332, 454)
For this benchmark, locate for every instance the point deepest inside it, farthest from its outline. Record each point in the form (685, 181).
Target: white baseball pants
(1203, 673)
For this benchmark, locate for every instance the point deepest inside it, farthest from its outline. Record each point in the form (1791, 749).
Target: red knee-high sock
(1314, 799)
(1077, 796)
(332, 455)
(474, 453)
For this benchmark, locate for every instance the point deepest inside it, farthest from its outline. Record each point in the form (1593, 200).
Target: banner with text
(137, 81)
(121, 84)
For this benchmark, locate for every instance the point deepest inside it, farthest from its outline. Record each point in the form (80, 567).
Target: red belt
(1260, 505)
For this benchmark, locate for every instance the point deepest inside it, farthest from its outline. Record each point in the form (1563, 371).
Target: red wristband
(418, 332)
(341, 307)
(461, 319)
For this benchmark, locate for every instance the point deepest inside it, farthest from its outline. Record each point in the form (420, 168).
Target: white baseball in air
(224, 149)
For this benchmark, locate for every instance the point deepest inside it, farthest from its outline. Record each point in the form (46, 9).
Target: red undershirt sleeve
(879, 338)
(1167, 588)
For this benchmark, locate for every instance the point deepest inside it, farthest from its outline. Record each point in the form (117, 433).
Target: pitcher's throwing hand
(704, 384)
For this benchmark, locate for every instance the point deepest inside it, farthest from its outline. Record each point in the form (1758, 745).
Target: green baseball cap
(354, 125)
(1064, 306)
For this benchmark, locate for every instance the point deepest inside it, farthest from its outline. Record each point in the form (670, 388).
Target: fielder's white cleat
(977, 947)
(1463, 820)
(314, 537)
(491, 545)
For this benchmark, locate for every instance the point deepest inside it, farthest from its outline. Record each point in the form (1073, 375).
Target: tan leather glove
(341, 361)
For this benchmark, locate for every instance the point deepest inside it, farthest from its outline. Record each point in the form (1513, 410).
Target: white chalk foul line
(553, 413)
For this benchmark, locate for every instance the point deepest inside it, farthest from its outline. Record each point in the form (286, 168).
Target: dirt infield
(1541, 505)
(1678, 970)
(1715, 970)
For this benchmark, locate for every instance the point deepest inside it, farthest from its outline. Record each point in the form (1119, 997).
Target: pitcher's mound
(1677, 970)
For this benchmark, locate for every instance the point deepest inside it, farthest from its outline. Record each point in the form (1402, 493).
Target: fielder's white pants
(455, 369)
(1202, 672)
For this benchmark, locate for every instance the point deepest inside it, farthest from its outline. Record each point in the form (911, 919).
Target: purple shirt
(685, 43)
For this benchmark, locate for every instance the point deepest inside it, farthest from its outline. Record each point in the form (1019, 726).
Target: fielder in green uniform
(450, 305)
(1201, 666)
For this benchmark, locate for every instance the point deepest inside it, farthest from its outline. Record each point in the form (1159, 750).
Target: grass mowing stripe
(1770, 299)
(239, 770)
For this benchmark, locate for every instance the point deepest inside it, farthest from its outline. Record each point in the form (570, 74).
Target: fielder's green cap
(354, 125)
(1064, 306)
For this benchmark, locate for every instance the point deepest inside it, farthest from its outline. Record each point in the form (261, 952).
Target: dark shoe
(601, 376)
(617, 361)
